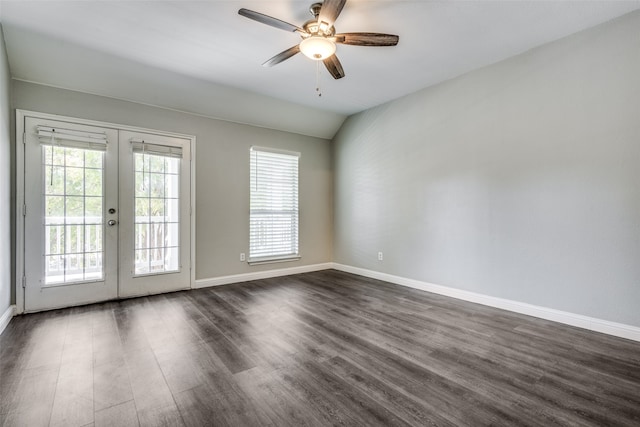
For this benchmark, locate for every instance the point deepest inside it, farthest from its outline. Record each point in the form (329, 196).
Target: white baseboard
(580, 321)
(266, 274)
(6, 317)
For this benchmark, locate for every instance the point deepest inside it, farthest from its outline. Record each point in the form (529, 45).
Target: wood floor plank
(164, 416)
(150, 389)
(111, 385)
(199, 408)
(274, 401)
(74, 403)
(313, 349)
(32, 399)
(121, 415)
(419, 412)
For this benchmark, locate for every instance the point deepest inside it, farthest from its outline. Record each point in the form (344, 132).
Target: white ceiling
(202, 57)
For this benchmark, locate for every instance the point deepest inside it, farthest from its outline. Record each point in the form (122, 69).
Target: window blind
(72, 138)
(140, 146)
(273, 223)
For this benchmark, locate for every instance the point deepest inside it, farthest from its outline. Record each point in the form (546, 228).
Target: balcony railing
(73, 249)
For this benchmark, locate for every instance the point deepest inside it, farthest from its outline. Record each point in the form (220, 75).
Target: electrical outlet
(379, 256)
(242, 257)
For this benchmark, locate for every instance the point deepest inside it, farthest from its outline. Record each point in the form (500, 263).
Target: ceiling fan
(319, 36)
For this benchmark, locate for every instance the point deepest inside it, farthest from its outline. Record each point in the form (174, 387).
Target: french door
(106, 215)
(154, 214)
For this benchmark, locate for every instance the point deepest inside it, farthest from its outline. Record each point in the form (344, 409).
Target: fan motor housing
(311, 27)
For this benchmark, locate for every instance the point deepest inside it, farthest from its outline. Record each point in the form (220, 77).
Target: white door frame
(20, 189)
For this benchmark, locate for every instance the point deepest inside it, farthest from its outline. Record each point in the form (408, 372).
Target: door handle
(112, 222)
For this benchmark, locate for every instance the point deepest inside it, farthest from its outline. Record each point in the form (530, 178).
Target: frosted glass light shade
(317, 48)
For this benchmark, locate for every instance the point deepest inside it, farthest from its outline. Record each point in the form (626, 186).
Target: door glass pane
(73, 215)
(156, 243)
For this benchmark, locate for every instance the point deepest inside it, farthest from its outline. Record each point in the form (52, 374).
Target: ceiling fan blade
(334, 67)
(269, 20)
(330, 11)
(282, 56)
(367, 39)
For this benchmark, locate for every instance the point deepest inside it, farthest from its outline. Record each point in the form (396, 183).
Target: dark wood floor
(325, 348)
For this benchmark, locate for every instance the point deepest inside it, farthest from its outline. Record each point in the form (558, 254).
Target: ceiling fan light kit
(319, 36)
(317, 48)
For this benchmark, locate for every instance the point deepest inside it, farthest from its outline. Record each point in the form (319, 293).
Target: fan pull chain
(318, 88)
(51, 172)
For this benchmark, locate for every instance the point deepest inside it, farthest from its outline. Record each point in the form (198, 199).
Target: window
(273, 223)
(73, 171)
(157, 207)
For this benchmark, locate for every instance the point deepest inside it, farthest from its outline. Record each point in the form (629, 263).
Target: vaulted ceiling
(202, 57)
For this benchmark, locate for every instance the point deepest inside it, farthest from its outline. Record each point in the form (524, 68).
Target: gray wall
(520, 180)
(5, 180)
(222, 174)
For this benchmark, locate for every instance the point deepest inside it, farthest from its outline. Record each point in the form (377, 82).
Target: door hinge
(24, 209)
(24, 281)
(24, 137)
